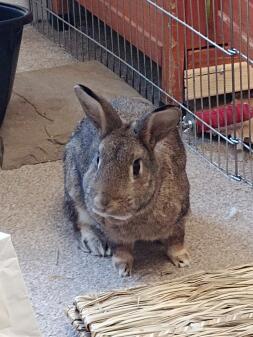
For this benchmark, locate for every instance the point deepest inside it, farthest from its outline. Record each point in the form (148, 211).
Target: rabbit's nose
(101, 200)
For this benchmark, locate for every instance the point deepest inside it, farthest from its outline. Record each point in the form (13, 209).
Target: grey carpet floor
(219, 232)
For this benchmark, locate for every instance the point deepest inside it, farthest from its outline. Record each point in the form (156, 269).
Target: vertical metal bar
(75, 25)
(186, 58)
(63, 24)
(55, 28)
(157, 59)
(138, 68)
(69, 29)
(224, 88)
(150, 55)
(99, 33)
(233, 85)
(144, 56)
(53, 20)
(106, 39)
(80, 28)
(58, 28)
(34, 14)
(112, 42)
(249, 86)
(48, 19)
(249, 68)
(124, 36)
(209, 83)
(94, 47)
(201, 76)
(31, 7)
(139, 31)
(118, 39)
(180, 80)
(171, 49)
(87, 32)
(186, 72)
(37, 16)
(164, 51)
(131, 42)
(214, 13)
(240, 74)
(193, 70)
(42, 15)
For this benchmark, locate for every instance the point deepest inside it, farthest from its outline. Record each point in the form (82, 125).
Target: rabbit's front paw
(124, 267)
(123, 262)
(179, 256)
(93, 244)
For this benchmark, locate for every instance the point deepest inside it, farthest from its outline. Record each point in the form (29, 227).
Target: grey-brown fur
(111, 206)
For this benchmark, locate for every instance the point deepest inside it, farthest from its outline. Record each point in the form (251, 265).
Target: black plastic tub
(12, 20)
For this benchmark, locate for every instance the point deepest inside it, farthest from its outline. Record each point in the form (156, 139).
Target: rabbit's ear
(156, 125)
(101, 113)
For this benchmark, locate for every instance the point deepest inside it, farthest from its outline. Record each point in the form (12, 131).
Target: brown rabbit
(126, 182)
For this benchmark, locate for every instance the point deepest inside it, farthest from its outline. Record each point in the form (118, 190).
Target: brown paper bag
(16, 315)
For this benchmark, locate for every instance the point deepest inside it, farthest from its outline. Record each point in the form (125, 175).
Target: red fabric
(223, 115)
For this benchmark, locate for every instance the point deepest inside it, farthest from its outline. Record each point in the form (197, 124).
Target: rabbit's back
(80, 149)
(78, 155)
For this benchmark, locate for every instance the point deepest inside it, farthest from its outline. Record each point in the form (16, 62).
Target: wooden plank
(173, 51)
(194, 78)
(207, 57)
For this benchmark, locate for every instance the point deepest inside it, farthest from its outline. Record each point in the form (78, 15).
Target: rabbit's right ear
(100, 112)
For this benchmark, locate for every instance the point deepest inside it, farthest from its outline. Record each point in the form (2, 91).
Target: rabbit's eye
(98, 160)
(136, 167)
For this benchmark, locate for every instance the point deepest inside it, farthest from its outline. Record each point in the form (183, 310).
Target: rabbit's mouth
(113, 216)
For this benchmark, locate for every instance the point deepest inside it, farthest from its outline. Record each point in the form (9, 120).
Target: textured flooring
(219, 232)
(55, 270)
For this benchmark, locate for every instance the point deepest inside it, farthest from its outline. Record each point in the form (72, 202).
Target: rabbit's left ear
(154, 126)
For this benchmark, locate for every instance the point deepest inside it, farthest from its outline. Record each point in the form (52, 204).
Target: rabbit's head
(122, 176)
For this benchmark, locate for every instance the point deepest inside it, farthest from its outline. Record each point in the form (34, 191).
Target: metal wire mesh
(196, 53)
